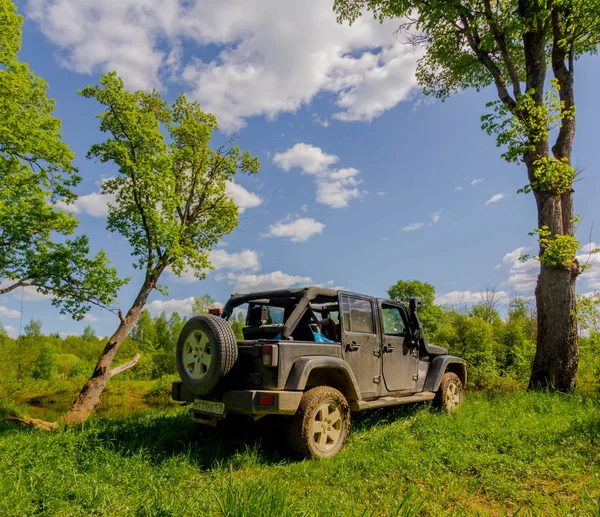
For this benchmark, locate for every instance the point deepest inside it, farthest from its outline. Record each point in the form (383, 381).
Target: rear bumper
(246, 402)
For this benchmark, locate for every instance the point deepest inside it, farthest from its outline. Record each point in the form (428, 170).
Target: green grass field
(523, 453)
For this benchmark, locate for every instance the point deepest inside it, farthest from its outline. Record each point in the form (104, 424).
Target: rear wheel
(206, 351)
(321, 426)
(450, 393)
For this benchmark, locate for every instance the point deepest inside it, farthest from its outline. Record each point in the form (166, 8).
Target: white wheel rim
(452, 396)
(327, 426)
(197, 354)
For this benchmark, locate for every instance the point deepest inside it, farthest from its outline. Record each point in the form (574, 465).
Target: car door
(360, 346)
(400, 358)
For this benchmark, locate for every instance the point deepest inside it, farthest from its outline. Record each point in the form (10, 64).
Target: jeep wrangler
(312, 355)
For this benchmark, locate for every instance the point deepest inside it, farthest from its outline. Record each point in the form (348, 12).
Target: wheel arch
(442, 364)
(309, 372)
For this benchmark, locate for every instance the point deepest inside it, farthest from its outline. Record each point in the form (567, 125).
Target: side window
(357, 315)
(393, 323)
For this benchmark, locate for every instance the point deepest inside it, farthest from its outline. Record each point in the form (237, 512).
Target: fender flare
(438, 367)
(305, 365)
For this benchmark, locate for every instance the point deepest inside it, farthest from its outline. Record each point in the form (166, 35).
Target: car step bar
(360, 405)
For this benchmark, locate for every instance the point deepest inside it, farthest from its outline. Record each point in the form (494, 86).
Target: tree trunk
(89, 397)
(557, 353)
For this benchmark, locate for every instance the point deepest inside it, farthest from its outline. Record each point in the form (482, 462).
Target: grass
(527, 454)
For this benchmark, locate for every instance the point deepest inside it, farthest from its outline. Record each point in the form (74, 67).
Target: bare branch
(14, 286)
(126, 366)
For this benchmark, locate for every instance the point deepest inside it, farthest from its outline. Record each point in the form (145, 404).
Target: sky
(364, 180)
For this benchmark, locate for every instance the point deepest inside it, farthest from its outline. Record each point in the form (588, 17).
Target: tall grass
(527, 454)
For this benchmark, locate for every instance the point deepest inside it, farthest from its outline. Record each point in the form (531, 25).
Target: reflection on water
(52, 410)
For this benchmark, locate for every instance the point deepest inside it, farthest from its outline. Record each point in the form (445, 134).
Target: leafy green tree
(511, 44)
(202, 304)
(33, 329)
(36, 171)
(237, 322)
(144, 332)
(175, 326)
(429, 312)
(44, 366)
(171, 203)
(588, 312)
(163, 332)
(89, 333)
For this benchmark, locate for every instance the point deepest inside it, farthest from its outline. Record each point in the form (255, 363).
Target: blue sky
(363, 182)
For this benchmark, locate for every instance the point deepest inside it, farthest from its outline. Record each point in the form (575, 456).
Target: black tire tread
(447, 378)
(298, 430)
(224, 339)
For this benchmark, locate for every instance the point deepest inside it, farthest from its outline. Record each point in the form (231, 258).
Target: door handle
(352, 347)
(388, 348)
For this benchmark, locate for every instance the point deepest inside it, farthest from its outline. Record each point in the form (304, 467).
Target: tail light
(266, 400)
(270, 355)
(215, 311)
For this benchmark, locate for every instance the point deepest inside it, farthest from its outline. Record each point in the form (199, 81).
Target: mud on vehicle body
(312, 356)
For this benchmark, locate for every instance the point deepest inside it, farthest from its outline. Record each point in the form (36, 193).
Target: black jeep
(314, 355)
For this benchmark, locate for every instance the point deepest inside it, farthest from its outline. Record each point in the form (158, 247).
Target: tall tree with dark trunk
(170, 198)
(511, 44)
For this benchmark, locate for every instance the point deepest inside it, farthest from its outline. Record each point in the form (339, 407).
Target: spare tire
(206, 351)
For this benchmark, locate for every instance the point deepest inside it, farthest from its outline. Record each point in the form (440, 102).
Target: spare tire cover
(206, 351)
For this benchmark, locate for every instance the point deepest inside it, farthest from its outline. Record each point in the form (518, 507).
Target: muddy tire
(321, 426)
(450, 393)
(206, 351)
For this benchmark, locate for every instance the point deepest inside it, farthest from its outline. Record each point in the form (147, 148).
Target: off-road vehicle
(312, 355)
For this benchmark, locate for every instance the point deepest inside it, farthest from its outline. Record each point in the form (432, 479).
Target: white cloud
(307, 157)
(468, 297)
(220, 259)
(298, 230)
(477, 181)
(304, 208)
(590, 276)
(170, 306)
(11, 331)
(412, 227)
(90, 317)
(31, 294)
(8, 313)
(275, 280)
(495, 198)
(523, 275)
(457, 189)
(273, 56)
(435, 217)
(242, 197)
(335, 187)
(94, 204)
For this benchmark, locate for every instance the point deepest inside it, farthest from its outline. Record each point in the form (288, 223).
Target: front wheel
(450, 393)
(321, 426)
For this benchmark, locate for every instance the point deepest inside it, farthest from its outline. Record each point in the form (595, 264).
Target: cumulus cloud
(94, 204)
(242, 197)
(458, 189)
(522, 275)
(297, 230)
(170, 306)
(468, 297)
(265, 64)
(11, 331)
(590, 276)
(5, 312)
(435, 217)
(220, 259)
(495, 198)
(477, 181)
(412, 227)
(309, 158)
(276, 280)
(335, 187)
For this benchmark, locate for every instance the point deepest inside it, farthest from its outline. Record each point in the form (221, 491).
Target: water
(52, 410)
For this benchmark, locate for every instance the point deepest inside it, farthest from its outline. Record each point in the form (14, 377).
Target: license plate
(208, 406)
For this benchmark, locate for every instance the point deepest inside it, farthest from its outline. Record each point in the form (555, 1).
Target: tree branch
(14, 286)
(126, 366)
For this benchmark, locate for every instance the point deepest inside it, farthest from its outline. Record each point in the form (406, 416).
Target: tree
(429, 313)
(89, 333)
(44, 365)
(36, 171)
(588, 312)
(170, 194)
(144, 332)
(202, 304)
(510, 44)
(163, 332)
(33, 328)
